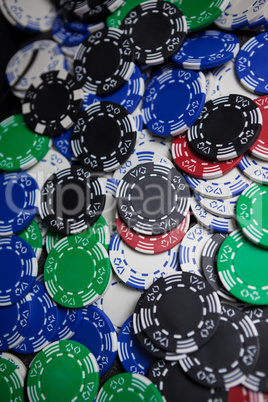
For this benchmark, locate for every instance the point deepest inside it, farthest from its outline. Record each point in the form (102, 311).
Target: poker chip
(172, 328)
(20, 147)
(91, 70)
(224, 208)
(8, 16)
(129, 385)
(152, 244)
(62, 35)
(149, 218)
(131, 354)
(32, 234)
(35, 15)
(21, 369)
(11, 382)
(71, 200)
(173, 101)
(249, 67)
(15, 323)
(195, 165)
(211, 221)
(226, 128)
(52, 103)
(209, 264)
(68, 360)
(43, 321)
(227, 186)
(149, 145)
(90, 134)
(206, 49)
(250, 209)
(191, 247)
(255, 169)
(96, 332)
(225, 365)
(140, 270)
(84, 285)
(260, 147)
(69, 321)
(171, 381)
(237, 263)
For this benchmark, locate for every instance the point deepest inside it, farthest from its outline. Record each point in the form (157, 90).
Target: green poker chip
(129, 387)
(77, 271)
(32, 234)
(251, 213)
(63, 371)
(20, 148)
(11, 382)
(242, 269)
(99, 231)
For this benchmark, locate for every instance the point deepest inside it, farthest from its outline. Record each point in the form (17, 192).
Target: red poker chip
(260, 147)
(194, 165)
(152, 244)
(242, 394)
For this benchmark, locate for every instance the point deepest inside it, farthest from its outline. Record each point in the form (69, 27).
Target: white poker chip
(210, 221)
(49, 57)
(227, 186)
(190, 251)
(8, 16)
(255, 169)
(155, 144)
(224, 208)
(20, 366)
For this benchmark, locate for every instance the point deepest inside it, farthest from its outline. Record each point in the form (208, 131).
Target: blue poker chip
(44, 321)
(64, 36)
(206, 49)
(18, 269)
(132, 355)
(69, 320)
(250, 64)
(15, 323)
(173, 101)
(19, 202)
(97, 333)
(131, 93)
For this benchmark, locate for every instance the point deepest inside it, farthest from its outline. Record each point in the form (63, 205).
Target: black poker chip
(229, 356)
(257, 380)
(153, 198)
(175, 385)
(226, 128)
(180, 312)
(104, 136)
(156, 30)
(52, 103)
(104, 61)
(71, 200)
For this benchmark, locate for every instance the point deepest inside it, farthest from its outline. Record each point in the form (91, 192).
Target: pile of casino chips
(133, 202)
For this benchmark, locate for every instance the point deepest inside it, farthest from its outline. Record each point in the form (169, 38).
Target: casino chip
(195, 165)
(63, 370)
(91, 69)
(69, 321)
(71, 200)
(226, 128)
(32, 234)
(251, 208)
(97, 333)
(15, 322)
(104, 136)
(134, 358)
(171, 381)
(191, 247)
(140, 270)
(18, 269)
(225, 364)
(173, 100)
(62, 35)
(224, 208)
(249, 64)
(209, 264)
(165, 316)
(43, 324)
(255, 169)
(238, 261)
(227, 186)
(52, 103)
(260, 147)
(206, 49)
(129, 386)
(155, 182)
(91, 277)
(11, 382)
(152, 244)
(20, 147)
